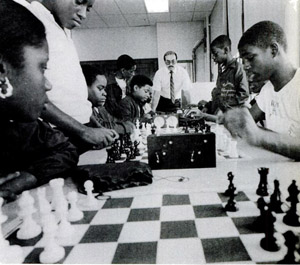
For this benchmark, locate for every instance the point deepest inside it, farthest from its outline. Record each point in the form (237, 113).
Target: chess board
(167, 228)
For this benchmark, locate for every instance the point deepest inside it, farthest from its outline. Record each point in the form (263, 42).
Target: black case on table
(185, 150)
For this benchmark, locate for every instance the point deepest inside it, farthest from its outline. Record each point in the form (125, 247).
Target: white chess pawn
(52, 252)
(29, 228)
(90, 201)
(74, 214)
(8, 254)
(65, 229)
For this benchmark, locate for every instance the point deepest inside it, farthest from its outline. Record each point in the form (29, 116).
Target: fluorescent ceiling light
(157, 6)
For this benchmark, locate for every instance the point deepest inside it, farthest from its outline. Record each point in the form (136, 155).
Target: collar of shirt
(39, 9)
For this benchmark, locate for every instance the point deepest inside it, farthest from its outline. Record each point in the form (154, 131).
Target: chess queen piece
(291, 218)
(262, 189)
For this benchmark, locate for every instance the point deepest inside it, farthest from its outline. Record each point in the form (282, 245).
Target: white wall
(109, 44)
(179, 37)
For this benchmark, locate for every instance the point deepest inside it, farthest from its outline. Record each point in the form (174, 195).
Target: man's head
(140, 88)
(23, 60)
(96, 83)
(221, 49)
(69, 13)
(126, 66)
(261, 48)
(170, 59)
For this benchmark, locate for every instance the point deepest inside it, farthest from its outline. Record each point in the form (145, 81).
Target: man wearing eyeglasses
(168, 84)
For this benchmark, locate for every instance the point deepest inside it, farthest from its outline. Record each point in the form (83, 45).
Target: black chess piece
(136, 150)
(153, 129)
(231, 185)
(207, 128)
(258, 224)
(230, 206)
(291, 218)
(186, 129)
(262, 189)
(269, 241)
(290, 241)
(110, 155)
(275, 198)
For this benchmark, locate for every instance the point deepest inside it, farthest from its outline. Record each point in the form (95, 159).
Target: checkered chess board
(168, 228)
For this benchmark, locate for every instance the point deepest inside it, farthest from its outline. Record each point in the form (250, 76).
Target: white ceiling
(132, 13)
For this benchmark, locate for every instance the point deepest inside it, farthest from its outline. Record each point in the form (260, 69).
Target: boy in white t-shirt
(263, 50)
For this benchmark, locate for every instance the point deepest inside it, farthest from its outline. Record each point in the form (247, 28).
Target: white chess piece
(74, 214)
(91, 201)
(57, 192)
(52, 252)
(65, 229)
(8, 253)
(29, 228)
(233, 152)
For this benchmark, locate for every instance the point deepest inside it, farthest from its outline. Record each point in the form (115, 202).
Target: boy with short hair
(96, 83)
(131, 107)
(263, 50)
(232, 86)
(118, 83)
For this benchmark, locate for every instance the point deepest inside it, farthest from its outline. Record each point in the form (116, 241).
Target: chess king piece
(275, 198)
(231, 185)
(290, 241)
(269, 241)
(291, 218)
(262, 189)
(8, 253)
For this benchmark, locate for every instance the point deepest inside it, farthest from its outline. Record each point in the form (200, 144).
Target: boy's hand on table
(14, 183)
(240, 123)
(100, 136)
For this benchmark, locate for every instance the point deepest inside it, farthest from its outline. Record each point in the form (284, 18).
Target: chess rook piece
(291, 218)
(269, 241)
(275, 198)
(262, 189)
(110, 158)
(290, 241)
(231, 185)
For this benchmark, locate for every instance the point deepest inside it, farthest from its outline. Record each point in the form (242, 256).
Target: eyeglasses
(168, 62)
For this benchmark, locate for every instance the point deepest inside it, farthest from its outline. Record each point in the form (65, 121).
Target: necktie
(172, 93)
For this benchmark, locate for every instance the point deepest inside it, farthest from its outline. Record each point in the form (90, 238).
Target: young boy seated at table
(232, 86)
(31, 151)
(96, 83)
(263, 50)
(131, 107)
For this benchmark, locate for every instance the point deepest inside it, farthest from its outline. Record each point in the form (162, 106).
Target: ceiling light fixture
(157, 6)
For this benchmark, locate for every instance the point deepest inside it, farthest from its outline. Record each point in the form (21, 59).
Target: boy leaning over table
(263, 50)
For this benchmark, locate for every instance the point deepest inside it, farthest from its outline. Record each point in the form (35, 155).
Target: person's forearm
(278, 143)
(155, 100)
(63, 121)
